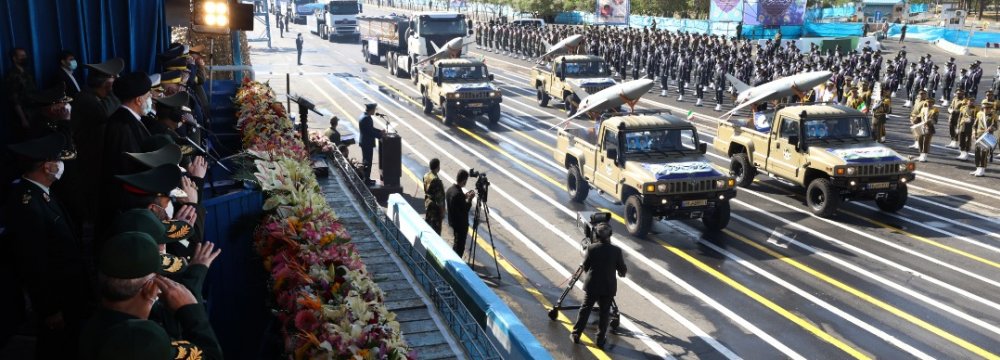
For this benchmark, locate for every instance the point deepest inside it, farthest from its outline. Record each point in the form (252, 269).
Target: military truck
(404, 41)
(339, 20)
(826, 149)
(565, 77)
(653, 164)
(460, 88)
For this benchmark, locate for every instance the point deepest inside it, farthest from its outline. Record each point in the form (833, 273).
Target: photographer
(603, 260)
(459, 203)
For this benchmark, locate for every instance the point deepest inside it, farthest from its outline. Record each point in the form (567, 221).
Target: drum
(919, 129)
(987, 141)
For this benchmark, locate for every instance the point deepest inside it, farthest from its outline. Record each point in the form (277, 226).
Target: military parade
(735, 191)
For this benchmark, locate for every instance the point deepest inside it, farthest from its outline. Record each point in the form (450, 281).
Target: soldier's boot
(922, 158)
(963, 155)
(680, 98)
(908, 103)
(916, 145)
(882, 139)
(893, 94)
(718, 107)
(953, 144)
(980, 171)
(697, 102)
(663, 93)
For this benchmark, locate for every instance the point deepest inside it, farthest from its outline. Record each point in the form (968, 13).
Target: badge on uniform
(25, 199)
(171, 264)
(45, 196)
(185, 350)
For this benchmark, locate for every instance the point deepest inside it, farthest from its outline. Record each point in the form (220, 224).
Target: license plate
(693, 203)
(475, 105)
(878, 185)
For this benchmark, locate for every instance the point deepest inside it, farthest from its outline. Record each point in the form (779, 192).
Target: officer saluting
(602, 262)
(368, 135)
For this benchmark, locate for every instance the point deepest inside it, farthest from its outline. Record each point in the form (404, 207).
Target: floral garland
(328, 304)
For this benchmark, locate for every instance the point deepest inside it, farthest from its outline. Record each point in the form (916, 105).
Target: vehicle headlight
(732, 182)
(721, 183)
(911, 167)
(495, 93)
(650, 188)
(903, 167)
(661, 188)
(851, 170)
(454, 95)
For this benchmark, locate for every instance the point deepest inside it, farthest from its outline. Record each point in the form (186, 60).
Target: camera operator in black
(602, 262)
(459, 204)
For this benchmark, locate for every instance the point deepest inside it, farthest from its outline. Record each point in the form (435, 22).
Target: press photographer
(459, 204)
(601, 263)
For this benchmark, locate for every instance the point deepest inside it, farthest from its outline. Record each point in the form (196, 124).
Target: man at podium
(368, 135)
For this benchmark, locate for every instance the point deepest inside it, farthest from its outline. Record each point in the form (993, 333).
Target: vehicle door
(607, 171)
(554, 85)
(783, 158)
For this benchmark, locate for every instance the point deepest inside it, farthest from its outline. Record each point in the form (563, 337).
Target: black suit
(368, 135)
(51, 265)
(602, 262)
(72, 87)
(124, 133)
(458, 216)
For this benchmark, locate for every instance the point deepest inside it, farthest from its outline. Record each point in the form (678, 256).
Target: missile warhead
(568, 45)
(798, 84)
(450, 50)
(615, 96)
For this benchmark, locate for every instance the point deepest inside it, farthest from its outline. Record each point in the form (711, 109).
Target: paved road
(779, 283)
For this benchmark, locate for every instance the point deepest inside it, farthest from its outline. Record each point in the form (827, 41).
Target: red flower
(306, 321)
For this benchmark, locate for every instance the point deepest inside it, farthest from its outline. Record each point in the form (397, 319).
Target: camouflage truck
(569, 77)
(826, 149)
(653, 164)
(460, 88)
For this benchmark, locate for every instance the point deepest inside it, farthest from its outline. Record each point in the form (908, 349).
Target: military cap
(370, 104)
(171, 77)
(47, 148)
(167, 154)
(175, 51)
(144, 221)
(199, 49)
(132, 85)
(159, 181)
(175, 101)
(129, 255)
(111, 67)
(52, 95)
(154, 80)
(179, 64)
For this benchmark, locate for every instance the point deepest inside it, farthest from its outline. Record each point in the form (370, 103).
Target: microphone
(381, 115)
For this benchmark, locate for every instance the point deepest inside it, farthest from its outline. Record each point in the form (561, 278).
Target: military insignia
(171, 264)
(186, 350)
(25, 199)
(46, 197)
(177, 230)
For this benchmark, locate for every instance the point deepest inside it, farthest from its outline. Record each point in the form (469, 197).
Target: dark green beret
(156, 181)
(144, 221)
(136, 339)
(129, 255)
(168, 154)
(132, 85)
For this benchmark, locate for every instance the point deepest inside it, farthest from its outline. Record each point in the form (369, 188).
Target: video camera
(587, 221)
(482, 182)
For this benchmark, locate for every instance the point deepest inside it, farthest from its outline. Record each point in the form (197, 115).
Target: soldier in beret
(50, 261)
(130, 286)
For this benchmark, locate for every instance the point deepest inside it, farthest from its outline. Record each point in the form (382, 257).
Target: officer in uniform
(964, 130)
(50, 260)
(368, 135)
(955, 110)
(928, 117)
(879, 114)
(985, 123)
(602, 261)
(434, 199)
(130, 286)
(918, 105)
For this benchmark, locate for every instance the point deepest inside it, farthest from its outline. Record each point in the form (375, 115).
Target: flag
(863, 107)
(690, 114)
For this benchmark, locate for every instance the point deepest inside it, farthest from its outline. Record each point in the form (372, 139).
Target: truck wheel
(742, 170)
(822, 198)
(390, 62)
(446, 113)
(374, 59)
(411, 64)
(428, 104)
(576, 185)
(894, 201)
(637, 218)
(494, 116)
(569, 104)
(543, 97)
(718, 218)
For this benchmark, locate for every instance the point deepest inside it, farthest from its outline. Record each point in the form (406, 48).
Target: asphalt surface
(778, 283)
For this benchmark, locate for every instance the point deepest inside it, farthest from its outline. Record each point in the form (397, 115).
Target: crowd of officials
(102, 214)
(686, 63)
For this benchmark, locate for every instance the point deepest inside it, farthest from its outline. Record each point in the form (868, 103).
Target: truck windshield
(452, 26)
(585, 69)
(838, 129)
(344, 7)
(463, 73)
(665, 140)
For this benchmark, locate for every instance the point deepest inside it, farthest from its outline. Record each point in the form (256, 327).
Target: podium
(390, 160)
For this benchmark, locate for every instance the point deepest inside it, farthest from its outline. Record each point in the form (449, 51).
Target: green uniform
(192, 318)
(434, 201)
(879, 117)
(984, 123)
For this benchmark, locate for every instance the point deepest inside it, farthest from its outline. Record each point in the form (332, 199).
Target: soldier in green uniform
(879, 117)
(985, 123)
(144, 340)
(918, 106)
(50, 261)
(955, 110)
(434, 201)
(130, 286)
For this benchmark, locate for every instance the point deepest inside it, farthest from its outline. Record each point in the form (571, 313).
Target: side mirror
(490, 76)
(703, 148)
(612, 154)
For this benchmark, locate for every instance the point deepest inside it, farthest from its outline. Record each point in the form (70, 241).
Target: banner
(612, 12)
(726, 11)
(774, 12)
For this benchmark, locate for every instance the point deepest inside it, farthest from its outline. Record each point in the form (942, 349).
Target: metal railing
(463, 325)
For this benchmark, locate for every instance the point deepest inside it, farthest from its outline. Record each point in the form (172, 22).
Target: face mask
(169, 210)
(60, 168)
(72, 65)
(147, 107)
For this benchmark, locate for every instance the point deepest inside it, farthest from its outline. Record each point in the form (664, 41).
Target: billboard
(612, 12)
(774, 12)
(726, 11)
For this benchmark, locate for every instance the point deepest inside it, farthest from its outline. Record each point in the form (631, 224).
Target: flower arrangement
(327, 302)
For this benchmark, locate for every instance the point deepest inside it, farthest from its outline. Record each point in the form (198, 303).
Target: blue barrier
(959, 37)
(919, 8)
(510, 335)
(846, 10)
(236, 286)
(832, 29)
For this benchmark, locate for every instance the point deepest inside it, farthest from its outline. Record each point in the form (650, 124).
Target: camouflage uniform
(433, 201)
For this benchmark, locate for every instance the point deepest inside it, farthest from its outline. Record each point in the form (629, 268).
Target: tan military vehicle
(460, 88)
(568, 78)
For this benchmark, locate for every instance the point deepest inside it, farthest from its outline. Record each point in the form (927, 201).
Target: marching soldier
(928, 117)
(965, 130)
(949, 80)
(434, 199)
(955, 110)
(879, 114)
(915, 115)
(985, 124)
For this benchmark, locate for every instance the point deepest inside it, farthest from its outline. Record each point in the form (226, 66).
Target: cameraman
(602, 262)
(459, 203)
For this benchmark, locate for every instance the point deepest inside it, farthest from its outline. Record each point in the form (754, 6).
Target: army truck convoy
(653, 163)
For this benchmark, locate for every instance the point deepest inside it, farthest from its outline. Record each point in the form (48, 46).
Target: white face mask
(147, 107)
(169, 210)
(72, 65)
(60, 168)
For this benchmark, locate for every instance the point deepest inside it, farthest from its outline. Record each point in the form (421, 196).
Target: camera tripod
(554, 312)
(482, 211)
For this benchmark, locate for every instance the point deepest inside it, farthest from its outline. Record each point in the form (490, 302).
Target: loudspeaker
(390, 159)
(241, 17)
